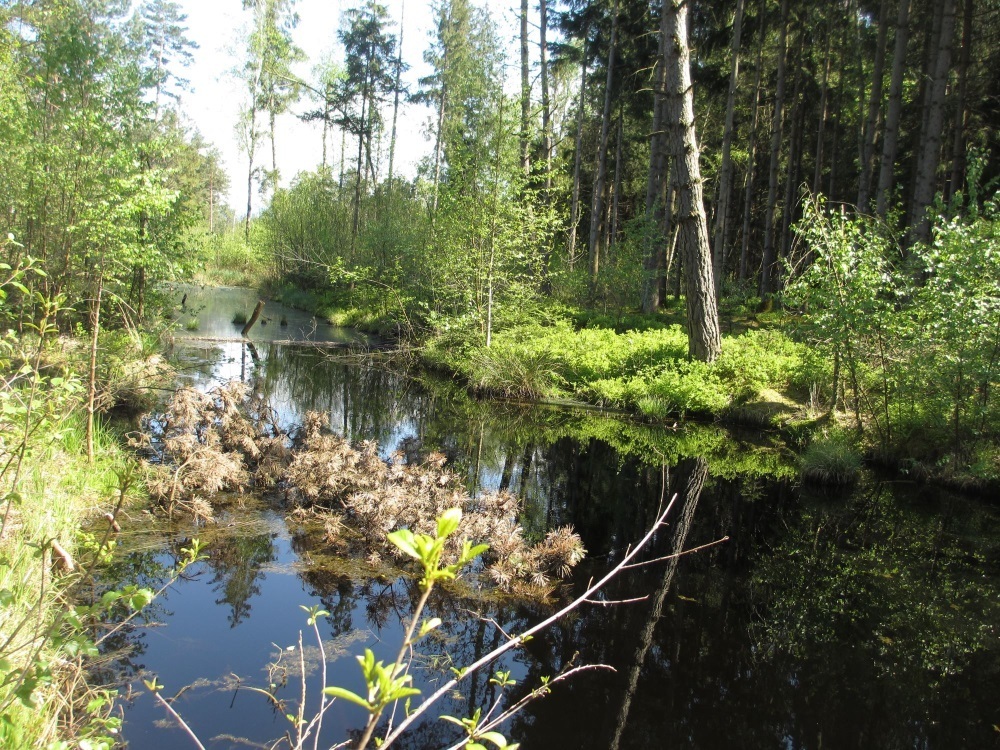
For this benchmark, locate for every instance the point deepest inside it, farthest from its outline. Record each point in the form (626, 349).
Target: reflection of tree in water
(144, 568)
(236, 562)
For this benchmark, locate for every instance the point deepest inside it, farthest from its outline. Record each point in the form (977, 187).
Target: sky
(213, 103)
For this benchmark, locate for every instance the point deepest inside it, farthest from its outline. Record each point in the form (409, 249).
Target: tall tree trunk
(617, 183)
(439, 146)
(251, 148)
(751, 163)
(597, 208)
(356, 219)
(274, 152)
(791, 172)
(930, 138)
(726, 170)
(874, 108)
(395, 95)
(890, 139)
(957, 180)
(95, 329)
(767, 264)
(525, 91)
(574, 214)
(824, 95)
(653, 265)
(704, 341)
(543, 22)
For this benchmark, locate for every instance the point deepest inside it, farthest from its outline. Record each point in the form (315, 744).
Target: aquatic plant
(226, 440)
(239, 318)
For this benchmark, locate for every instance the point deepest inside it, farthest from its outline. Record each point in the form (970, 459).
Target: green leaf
(429, 625)
(448, 522)
(347, 695)
(495, 737)
(403, 539)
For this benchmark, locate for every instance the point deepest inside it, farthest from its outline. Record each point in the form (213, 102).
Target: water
(852, 620)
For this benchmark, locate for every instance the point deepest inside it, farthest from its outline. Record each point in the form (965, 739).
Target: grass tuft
(831, 459)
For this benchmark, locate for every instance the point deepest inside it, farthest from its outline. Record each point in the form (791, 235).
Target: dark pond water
(856, 620)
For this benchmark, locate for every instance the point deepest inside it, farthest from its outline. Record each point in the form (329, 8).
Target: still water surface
(855, 620)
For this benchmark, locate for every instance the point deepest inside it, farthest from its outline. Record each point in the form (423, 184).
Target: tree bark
(957, 180)
(930, 139)
(543, 22)
(890, 140)
(767, 263)
(395, 96)
(574, 220)
(726, 170)
(874, 108)
(653, 265)
(525, 91)
(751, 163)
(597, 208)
(704, 341)
(824, 96)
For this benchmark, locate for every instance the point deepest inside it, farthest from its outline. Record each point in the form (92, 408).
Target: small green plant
(240, 318)
(191, 324)
(831, 459)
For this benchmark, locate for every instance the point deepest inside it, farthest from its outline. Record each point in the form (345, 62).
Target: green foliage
(831, 459)
(918, 343)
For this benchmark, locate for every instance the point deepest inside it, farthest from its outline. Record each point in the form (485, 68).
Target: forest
(773, 214)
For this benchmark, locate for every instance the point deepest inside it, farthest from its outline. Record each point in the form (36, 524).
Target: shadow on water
(852, 620)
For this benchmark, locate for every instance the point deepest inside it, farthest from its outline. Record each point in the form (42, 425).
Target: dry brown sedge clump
(226, 440)
(210, 442)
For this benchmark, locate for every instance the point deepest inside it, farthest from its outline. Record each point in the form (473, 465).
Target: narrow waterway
(828, 620)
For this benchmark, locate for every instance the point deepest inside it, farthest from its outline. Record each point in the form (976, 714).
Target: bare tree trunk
(704, 341)
(251, 148)
(792, 172)
(767, 264)
(574, 220)
(824, 96)
(617, 183)
(748, 188)
(525, 91)
(274, 153)
(957, 181)
(543, 22)
(874, 108)
(930, 138)
(439, 147)
(95, 329)
(890, 140)
(597, 209)
(395, 96)
(653, 263)
(726, 170)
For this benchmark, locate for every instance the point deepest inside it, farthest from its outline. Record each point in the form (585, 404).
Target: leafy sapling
(389, 684)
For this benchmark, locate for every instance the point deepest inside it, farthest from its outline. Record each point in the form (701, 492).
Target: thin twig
(492, 655)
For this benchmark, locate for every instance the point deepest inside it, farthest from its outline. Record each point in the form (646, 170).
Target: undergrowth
(646, 370)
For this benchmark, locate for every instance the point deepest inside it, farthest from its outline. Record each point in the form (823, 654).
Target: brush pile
(226, 440)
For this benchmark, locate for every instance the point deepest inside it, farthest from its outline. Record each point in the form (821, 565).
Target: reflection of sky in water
(214, 308)
(706, 681)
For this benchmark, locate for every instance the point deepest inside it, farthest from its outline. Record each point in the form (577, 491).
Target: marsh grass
(831, 459)
(59, 492)
(240, 318)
